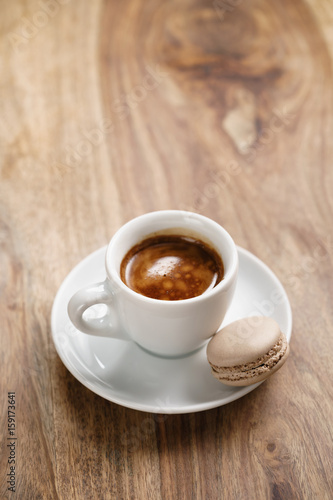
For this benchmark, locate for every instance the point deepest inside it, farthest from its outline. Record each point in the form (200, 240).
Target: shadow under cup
(171, 328)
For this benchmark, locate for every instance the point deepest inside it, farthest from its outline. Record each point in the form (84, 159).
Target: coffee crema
(171, 267)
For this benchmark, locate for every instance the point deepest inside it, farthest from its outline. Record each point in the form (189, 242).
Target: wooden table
(113, 109)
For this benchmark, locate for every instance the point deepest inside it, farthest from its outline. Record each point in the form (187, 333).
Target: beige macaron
(247, 351)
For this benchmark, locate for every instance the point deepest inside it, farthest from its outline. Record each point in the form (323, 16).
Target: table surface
(113, 109)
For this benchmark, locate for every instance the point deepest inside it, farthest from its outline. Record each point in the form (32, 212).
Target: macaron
(247, 351)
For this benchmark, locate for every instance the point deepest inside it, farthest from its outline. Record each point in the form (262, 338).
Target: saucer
(121, 372)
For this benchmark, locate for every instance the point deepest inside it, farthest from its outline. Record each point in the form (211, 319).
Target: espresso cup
(165, 328)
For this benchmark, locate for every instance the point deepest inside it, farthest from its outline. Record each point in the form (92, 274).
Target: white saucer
(122, 372)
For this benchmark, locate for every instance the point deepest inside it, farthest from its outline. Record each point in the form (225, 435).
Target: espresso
(171, 267)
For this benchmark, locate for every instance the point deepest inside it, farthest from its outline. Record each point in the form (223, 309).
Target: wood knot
(271, 447)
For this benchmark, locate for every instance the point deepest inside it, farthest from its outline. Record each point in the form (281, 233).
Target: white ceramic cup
(165, 328)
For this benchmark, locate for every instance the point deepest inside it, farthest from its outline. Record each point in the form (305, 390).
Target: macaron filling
(255, 368)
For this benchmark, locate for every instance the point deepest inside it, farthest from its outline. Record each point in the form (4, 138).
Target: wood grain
(112, 109)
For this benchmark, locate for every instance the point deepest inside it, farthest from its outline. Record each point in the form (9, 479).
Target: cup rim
(228, 277)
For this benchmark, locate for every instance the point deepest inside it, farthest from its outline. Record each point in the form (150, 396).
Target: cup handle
(97, 293)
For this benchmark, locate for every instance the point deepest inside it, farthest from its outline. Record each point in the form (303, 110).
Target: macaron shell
(243, 341)
(256, 378)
